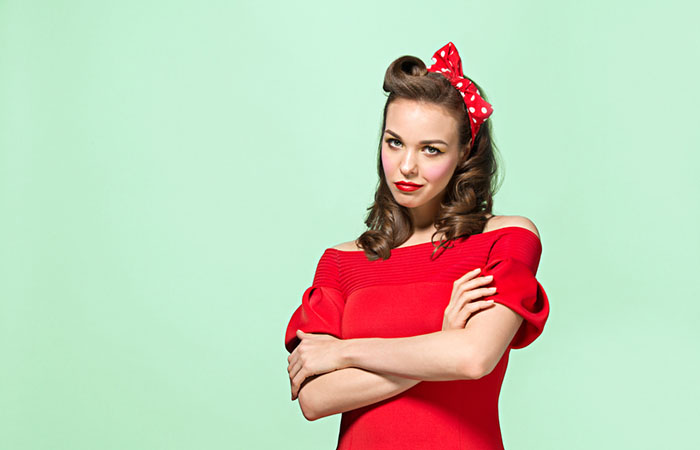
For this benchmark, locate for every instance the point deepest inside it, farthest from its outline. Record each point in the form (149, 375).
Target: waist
(443, 415)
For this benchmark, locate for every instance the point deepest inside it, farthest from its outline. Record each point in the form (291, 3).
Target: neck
(423, 217)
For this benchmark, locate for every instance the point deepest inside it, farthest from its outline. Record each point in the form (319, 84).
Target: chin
(407, 203)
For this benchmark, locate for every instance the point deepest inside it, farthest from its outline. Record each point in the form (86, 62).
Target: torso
(353, 297)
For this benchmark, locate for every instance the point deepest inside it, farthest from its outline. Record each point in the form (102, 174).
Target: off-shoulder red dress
(406, 295)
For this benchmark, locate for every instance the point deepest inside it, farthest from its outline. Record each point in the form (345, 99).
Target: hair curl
(468, 199)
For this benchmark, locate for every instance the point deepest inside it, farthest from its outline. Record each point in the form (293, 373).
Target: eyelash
(388, 141)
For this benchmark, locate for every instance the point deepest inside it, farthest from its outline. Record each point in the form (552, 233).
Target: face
(419, 145)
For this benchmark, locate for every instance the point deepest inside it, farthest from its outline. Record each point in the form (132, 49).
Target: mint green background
(171, 171)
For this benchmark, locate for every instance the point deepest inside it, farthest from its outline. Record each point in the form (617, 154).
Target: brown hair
(469, 195)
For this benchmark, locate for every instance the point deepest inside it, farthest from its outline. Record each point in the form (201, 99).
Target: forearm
(347, 389)
(439, 356)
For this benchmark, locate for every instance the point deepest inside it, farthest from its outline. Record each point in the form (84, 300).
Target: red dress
(406, 295)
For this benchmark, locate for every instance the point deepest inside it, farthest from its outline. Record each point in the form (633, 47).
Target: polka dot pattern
(446, 61)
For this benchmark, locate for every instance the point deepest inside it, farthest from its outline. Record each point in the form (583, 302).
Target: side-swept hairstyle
(468, 199)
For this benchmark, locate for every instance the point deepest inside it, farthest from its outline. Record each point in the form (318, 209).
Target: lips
(407, 186)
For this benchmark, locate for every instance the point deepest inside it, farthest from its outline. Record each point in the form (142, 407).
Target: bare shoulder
(347, 246)
(496, 222)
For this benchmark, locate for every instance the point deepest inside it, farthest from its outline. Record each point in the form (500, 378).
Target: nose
(408, 164)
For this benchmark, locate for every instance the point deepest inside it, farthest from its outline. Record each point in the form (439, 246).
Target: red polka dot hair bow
(447, 62)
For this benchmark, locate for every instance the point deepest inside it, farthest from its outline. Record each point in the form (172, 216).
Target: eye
(437, 152)
(395, 143)
(390, 140)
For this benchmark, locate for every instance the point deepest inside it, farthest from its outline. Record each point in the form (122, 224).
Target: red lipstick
(407, 186)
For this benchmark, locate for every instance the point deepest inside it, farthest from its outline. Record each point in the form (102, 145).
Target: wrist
(348, 352)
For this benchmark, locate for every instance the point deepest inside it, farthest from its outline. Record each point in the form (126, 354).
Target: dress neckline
(428, 243)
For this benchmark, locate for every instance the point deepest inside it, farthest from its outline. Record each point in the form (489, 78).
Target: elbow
(478, 369)
(311, 398)
(307, 406)
(474, 367)
(472, 372)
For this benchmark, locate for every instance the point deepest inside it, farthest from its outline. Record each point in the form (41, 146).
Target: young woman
(410, 340)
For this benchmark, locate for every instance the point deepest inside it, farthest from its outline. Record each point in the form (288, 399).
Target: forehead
(416, 121)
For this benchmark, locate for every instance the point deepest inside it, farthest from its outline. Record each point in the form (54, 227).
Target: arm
(384, 368)
(471, 352)
(347, 389)
(439, 356)
(454, 354)
(467, 353)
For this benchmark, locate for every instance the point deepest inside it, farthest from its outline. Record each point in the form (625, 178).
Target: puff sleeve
(322, 304)
(513, 260)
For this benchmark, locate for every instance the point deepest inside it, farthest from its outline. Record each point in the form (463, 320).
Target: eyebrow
(429, 141)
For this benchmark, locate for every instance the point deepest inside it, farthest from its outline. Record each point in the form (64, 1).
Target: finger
(473, 291)
(471, 308)
(294, 353)
(473, 294)
(468, 308)
(298, 367)
(296, 383)
(467, 282)
(468, 276)
(458, 282)
(451, 313)
(293, 357)
(466, 293)
(463, 317)
(450, 307)
(472, 273)
(295, 388)
(294, 368)
(295, 391)
(478, 281)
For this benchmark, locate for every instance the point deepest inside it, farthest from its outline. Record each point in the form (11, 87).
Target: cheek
(438, 172)
(387, 163)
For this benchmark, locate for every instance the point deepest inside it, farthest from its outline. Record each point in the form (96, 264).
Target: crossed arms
(380, 368)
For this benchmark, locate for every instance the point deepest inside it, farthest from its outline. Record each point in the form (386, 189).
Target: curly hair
(468, 198)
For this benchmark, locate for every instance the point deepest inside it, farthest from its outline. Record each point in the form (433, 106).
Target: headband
(447, 62)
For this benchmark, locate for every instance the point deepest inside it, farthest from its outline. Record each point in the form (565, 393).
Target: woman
(407, 339)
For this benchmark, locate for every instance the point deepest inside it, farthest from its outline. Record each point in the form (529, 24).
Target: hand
(316, 354)
(464, 291)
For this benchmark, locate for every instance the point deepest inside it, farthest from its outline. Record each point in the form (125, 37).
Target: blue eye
(436, 151)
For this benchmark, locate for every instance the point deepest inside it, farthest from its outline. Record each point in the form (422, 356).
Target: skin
(339, 375)
(404, 158)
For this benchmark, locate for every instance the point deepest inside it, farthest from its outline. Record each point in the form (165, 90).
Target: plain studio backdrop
(171, 171)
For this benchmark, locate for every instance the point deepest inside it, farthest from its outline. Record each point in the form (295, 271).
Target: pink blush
(387, 165)
(435, 173)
